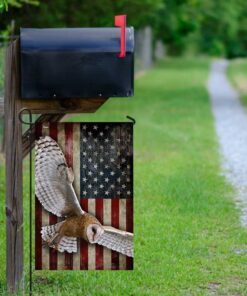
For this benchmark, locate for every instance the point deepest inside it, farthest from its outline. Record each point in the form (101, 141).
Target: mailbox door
(76, 63)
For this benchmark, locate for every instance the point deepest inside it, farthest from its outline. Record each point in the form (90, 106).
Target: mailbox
(77, 63)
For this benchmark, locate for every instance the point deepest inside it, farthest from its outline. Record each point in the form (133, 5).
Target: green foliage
(218, 28)
(77, 13)
(4, 4)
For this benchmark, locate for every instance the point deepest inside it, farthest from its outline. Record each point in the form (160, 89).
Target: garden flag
(84, 196)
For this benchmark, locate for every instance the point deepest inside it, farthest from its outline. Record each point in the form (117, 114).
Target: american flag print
(101, 156)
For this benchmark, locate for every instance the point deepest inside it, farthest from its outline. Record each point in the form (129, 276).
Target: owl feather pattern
(54, 189)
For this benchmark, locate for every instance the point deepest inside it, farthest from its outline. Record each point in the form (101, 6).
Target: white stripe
(107, 221)
(76, 184)
(122, 226)
(91, 247)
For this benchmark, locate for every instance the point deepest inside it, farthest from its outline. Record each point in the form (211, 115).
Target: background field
(188, 239)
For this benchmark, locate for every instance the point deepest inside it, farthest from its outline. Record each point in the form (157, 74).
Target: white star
(84, 192)
(112, 159)
(90, 147)
(128, 192)
(90, 159)
(106, 192)
(95, 192)
(101, 173)
(95, 140)
(106, 180)
(84, 179)
(118, 140)
(96, 153)
(90, 173)
(101, 160)
(84, 127)
(119, 180)
(101, 147)
(112, 147)
(84, 140)
(123, 186)
(112, 186)
(89, 186)
(118, 192)
(95, 127)
(90, 133)
(106, 140)
(95, 166)
(101, 186)
(95, 179)
(123, 173)
(128, 179)
(106, 166)
(123, 160)
(84, 166)
(101, 134)
(84, 153)
(112, 173)
(118, 153)
(107, 127)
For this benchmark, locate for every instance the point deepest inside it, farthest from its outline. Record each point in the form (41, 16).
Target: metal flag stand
(29, 136)
(30, 123)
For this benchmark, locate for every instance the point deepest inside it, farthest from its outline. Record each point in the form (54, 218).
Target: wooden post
(17, 147)
(13, 142)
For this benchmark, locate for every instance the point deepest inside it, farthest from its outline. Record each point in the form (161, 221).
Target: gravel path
(231, 127)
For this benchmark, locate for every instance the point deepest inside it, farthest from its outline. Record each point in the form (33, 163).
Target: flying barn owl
(54, 189)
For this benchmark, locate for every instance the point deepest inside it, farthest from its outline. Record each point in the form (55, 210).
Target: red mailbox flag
(120, 21)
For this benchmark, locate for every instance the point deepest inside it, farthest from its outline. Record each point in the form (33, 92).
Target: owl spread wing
(53, 180)
(117, 240)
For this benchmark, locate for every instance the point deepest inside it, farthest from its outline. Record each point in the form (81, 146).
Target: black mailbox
(76, 63)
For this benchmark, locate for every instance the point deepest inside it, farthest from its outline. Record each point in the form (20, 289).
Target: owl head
(94, 232)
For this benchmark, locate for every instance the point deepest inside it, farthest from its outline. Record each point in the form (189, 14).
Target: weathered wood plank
(13, 138)
(55, 106)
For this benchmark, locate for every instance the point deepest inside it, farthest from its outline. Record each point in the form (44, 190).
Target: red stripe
(53, 218)
(68, 129)
(115, 223)
(84, 244)
(38, 216)
(129, 228)
(99, 263)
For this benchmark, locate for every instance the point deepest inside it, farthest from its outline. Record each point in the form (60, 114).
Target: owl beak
(94, 232)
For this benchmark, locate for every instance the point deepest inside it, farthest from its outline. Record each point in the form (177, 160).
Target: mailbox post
(53, 72)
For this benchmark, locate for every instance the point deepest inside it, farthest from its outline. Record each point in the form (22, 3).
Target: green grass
(187, 230)
(237, 72)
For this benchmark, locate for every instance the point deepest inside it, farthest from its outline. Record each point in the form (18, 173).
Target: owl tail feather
(50, 235)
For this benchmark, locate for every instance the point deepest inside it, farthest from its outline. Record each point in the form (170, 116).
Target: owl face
(94, 232)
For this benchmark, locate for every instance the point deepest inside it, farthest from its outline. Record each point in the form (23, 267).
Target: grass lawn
(238, 74)
(188, 239)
